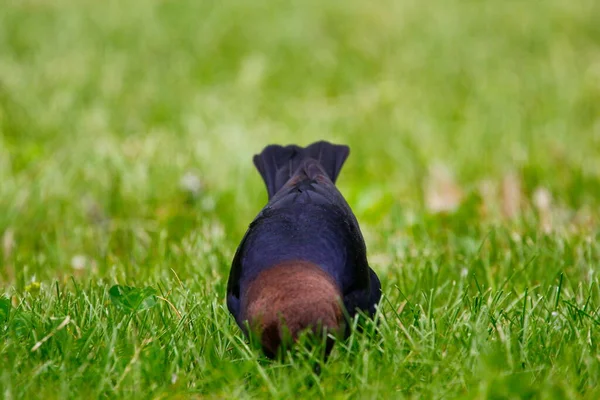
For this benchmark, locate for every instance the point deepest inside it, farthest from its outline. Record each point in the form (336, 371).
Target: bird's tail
(291, 298)
(277, 164)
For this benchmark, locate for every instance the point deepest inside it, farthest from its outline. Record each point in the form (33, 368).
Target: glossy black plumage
(305, 219)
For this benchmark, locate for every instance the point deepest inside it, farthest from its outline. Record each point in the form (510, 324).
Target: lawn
(127, 131)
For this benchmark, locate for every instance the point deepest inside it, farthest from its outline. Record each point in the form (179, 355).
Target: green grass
(106, 106)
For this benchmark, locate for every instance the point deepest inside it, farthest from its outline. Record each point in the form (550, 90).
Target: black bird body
(306, 221)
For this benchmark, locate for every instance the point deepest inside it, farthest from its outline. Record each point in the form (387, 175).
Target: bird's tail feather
(277, 164)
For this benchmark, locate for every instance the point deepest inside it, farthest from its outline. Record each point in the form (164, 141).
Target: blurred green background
(127, 130)
(105, 106)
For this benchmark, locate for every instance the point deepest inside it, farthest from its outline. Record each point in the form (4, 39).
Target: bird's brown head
(288, 299)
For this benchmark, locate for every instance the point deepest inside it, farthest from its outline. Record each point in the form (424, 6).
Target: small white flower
(191, 183)
(542, 199)
(78, 262)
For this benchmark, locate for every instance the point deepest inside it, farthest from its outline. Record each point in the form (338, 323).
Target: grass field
(126, 136)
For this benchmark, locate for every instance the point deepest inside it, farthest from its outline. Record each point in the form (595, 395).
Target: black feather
(277, 164)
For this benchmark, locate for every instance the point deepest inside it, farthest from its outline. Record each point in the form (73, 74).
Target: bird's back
(305, 230)
(306, 219)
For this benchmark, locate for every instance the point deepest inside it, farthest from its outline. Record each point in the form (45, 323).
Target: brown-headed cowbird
(302, 264)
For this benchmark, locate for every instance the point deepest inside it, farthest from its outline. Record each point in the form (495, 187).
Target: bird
(302, 264)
